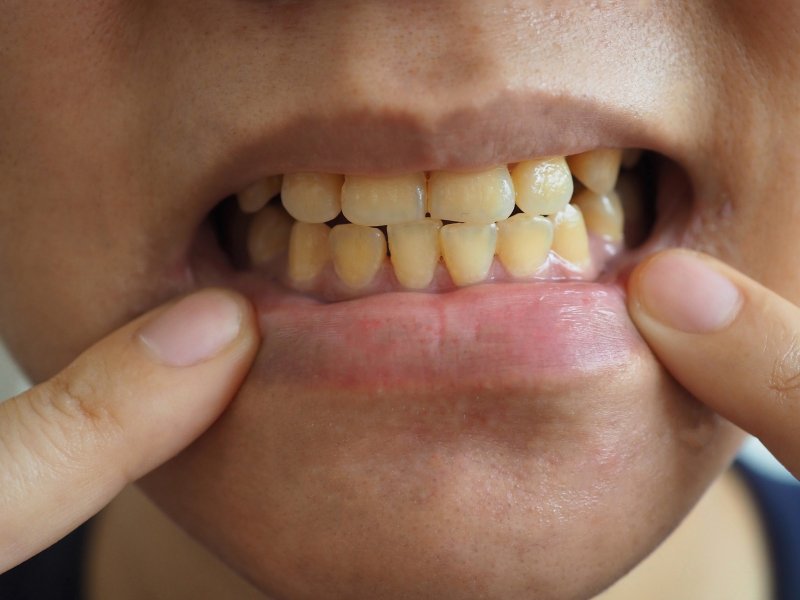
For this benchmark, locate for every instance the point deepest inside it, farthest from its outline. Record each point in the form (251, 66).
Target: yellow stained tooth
(312, 197)
(309, 251)
(480, 197)
(570, 239)
(255, 197)
(603, 215)
(597, 169)
(414, 250)
(543, 186)
(384, 200)
(268, 234)
(523, 243)
(468, 251)
(358, 253)
(630, 157)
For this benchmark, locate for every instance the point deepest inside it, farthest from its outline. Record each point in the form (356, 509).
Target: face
(505, 439)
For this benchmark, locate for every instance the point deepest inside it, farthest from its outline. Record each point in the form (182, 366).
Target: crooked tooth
(312, 197)
(523, 243)
(255, 197)
(358, 253)
(479, 197)
(309, 251)
(468, 251)
(543, 186)
(597, 169)
(383, 200)
(570, 239)
(603, 215)
(268, 234)
(414, 252)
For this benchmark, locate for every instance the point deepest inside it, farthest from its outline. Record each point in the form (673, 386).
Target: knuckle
(784, 380)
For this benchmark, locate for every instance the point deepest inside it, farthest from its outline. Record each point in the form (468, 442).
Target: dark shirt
(55, 574)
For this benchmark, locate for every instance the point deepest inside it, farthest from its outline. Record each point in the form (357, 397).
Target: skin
(310, 492)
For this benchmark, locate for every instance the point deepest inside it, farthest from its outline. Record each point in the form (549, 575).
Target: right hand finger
(126, 405)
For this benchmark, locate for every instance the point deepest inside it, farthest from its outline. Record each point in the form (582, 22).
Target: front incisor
(414, 252)
(482, 197)
(312, 197)
(603, 215)
(358, 253)
(570, 239)
(523, 243)
(597, 169)
(256, 196)
(543, 186)
(468, 251)
(384, 200)
(268, 234)
(309, 251)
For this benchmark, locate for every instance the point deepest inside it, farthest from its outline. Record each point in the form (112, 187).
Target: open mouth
(335, 237)
(531, 256)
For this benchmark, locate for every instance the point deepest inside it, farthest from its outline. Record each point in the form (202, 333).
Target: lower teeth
(551, 238)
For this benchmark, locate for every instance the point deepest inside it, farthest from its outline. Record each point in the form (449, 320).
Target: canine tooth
(543, 186)
(468, 251)
(630, 157)
(309, 251)
(570, 239)
(523, 243)
(383, 200)
(268, 234)
(255, 197)
(414, 252)
(479, 197)
(358, 252)
(597, 169)
(312, 197)
(603, 215)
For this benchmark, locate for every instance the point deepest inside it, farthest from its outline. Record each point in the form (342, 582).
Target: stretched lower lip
(519, 336)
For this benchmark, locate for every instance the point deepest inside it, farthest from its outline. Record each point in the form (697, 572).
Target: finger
(126, 405)
(734, 344)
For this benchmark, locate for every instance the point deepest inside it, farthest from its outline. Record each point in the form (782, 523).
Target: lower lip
(522, 336)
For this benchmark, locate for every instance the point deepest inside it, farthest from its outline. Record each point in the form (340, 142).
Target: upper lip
(376, 138)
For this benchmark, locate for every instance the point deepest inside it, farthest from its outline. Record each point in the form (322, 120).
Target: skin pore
(124, 123)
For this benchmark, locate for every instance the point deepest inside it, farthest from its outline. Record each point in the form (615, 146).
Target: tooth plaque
(543, 186)
(523, 244)
(468, 251)
(414, 251)
(358, 253)
(482, 197)
(312, 197)
(570, 238)
(377, 201)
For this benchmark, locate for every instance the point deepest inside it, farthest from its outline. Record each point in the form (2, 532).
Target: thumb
(126, 405)
(734, 344)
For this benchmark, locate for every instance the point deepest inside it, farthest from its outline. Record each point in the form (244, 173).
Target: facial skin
(125, 122)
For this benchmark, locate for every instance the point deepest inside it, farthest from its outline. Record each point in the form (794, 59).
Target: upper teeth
(481, 204)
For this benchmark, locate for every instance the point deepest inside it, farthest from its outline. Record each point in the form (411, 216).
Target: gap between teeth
(455, 221)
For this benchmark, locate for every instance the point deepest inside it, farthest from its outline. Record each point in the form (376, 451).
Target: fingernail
(193, 330)
(685, 293)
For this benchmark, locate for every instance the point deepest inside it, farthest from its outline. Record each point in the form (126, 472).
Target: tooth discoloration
(312, 197)
(414, 249)
(480, 197)
(468, 251)
(358, 253)
(543, 186)
(603, 215)
(523, 243)
(256, 196)
(309, 251)
(570, 238)
(597, 169)
(268, 234)
(377, 201)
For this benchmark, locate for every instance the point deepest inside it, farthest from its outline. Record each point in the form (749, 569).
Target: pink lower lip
(523, 335)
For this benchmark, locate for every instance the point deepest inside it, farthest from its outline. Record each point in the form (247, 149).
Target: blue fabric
(779, 502)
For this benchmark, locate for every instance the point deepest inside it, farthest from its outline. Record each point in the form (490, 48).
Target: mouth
(517, 270)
